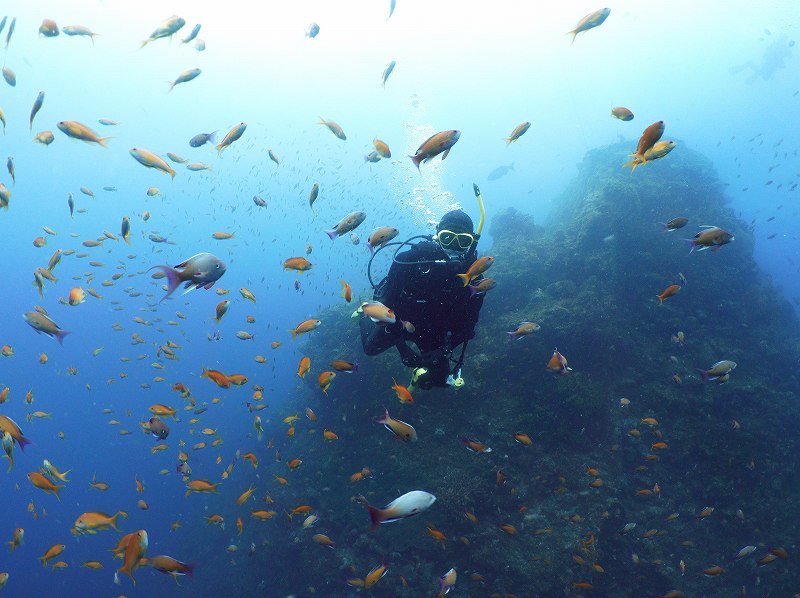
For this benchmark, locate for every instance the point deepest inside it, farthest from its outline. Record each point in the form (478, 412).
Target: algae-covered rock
(589, 277)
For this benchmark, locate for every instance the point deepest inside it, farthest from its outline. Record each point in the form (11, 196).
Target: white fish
(747, 550)
(410, 504)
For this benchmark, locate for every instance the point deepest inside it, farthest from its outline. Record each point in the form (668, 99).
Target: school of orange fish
(205, 271)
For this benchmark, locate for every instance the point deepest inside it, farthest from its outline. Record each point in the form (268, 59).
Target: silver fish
(201, 270)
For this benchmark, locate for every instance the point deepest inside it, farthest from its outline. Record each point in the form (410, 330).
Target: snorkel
(482, 209)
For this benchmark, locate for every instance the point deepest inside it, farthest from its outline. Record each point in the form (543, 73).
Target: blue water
(481, 69)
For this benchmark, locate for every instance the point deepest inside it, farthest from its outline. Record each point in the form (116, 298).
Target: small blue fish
(386, 72)
(192, 35)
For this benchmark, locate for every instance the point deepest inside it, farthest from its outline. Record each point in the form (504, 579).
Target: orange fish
(523, 438)
(558, 363)
(52, 553)
(477, 268)
(440, 143)
(622, 113)
(347, 292)
(134, 551)
(475, 446)
(378, 312)
(340, 365)
(304, 327)
(245, 495)
(323, 540)
(375, 575)
(648, 139)
(710, 237)
(402, 393)
(325, 379)
(170, 566)
(217, 377)
(669, 292)
(41, 482)
(222, 309)
(237, 379)
(76, 296)
(437, 535)
(330, 435)
(300, 264)
(305, 366)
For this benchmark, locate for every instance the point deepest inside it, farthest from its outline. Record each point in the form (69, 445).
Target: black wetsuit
(423, 289)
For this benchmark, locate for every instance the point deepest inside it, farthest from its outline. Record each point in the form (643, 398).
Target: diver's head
(454, 234)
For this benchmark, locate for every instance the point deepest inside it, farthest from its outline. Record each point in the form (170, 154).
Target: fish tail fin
(114, 520)
(331, 233)
(102, 141)
(703, 374)
(171, 86)
(464, 278)
(60, 334)
(144, 43)
(574, 34)
(173, 279)
(355, 368)
(472, 290)
(416, 160)
(56, 489)
(23, 442)
(375, 516)
(508, 141)
(692, 245)
(660, 299)
(294, 333)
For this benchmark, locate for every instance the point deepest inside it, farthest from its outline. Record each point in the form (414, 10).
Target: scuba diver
(433, 307)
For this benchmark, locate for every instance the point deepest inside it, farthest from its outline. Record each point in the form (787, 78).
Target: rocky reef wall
(590, 279)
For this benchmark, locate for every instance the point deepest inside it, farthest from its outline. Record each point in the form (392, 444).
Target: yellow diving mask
(450, 240)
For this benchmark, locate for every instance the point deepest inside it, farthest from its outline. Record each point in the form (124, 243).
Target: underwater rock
(589, 277)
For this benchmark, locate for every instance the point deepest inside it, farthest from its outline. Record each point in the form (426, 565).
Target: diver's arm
(377, 338)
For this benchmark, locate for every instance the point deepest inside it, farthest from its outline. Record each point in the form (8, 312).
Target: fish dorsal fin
(186, 261)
